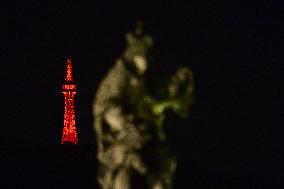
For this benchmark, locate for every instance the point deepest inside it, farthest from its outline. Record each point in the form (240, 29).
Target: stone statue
(133, 151)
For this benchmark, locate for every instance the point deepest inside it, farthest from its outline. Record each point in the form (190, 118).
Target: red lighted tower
(69, 90)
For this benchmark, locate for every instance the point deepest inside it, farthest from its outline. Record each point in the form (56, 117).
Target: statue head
(138, 47)
(139, 28)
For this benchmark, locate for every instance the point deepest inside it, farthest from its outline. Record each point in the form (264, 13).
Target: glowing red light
(69, 90)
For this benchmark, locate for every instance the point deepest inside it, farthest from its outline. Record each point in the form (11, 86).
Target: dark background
(234, 135)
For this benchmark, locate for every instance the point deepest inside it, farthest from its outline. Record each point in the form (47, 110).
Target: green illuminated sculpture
(133, 150)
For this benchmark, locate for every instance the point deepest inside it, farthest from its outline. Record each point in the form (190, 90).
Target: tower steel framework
(69, 90)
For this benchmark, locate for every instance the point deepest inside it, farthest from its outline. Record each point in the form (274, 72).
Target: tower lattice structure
(69, 90)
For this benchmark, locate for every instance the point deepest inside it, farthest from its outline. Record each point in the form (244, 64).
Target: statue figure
(132, 147)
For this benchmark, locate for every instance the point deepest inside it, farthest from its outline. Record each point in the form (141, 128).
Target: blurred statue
(133, 151)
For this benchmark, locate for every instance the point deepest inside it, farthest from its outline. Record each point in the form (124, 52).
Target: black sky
(233, 131)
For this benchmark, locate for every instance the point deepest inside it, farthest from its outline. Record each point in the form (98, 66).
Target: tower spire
(69, 76)
(69, 90)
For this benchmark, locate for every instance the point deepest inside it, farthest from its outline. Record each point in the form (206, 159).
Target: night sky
(234, 135)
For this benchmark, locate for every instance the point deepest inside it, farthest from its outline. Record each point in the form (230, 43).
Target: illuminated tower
(69, 90)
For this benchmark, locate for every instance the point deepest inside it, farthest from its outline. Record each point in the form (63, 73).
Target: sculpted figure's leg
(136, 163)
(158, 185)
(106, 179)
(121, 180)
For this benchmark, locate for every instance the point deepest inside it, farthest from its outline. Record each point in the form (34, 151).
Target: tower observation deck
(69, 134)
